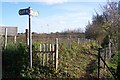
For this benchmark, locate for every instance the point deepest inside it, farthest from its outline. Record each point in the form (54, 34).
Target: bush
(15, 58)
(73, 62)
(16, 63)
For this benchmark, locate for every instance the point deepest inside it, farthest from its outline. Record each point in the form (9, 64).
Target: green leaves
(15, 57)
(74, 61)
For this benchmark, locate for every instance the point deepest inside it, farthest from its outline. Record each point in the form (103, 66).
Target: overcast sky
(54, 15)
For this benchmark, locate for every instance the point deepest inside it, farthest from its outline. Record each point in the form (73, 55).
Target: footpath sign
(30, 12)
(24, 11)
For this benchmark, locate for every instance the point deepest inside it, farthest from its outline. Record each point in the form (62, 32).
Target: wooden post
(53, 54)
(70, 42)
(105, 52)
(14, 39)
(43, 54)
(26, 37)
(50, 57)
(30, 40)
(78, 40)
(56, 54)
(109, 45)
(5, 38)
(40, 54)
(50, 47)
(99, 63)
(46, 54)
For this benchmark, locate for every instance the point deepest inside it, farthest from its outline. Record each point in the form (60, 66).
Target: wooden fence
(49, 54)
(107, 53)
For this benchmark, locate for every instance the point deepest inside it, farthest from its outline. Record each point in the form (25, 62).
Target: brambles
(79, 61)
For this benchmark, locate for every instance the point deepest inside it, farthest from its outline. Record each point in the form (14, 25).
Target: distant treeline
(44, 37)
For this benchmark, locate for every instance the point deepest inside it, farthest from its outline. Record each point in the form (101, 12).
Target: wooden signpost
(30, 12)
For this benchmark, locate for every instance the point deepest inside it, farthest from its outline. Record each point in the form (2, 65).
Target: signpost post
(28, 11)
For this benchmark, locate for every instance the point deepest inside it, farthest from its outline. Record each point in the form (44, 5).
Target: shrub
(15, 58)
(74, 61)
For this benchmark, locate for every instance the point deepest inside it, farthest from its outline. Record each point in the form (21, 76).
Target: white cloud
(60, 22)
(41, 1)
(52, 1)
(56, 1)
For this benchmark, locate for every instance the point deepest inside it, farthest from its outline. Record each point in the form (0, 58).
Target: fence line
(107, 53)
(100, 58)
(49, 54)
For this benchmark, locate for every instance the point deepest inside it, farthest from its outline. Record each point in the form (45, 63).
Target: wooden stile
(49, 54)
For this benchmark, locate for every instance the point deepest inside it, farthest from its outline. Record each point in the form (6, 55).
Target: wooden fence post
(99, 63)
(109, 46)
(43, 54)
(56, 54)
(27, 39)
(40, 54)
(70, 41)
(5, 38)
(47, 50)
(53, 55)
(14, 39)
(50, 49)
(78, 40)
(105, 53)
